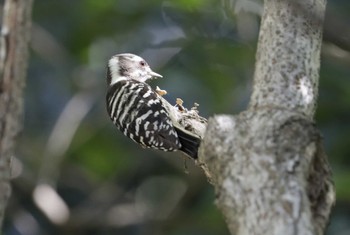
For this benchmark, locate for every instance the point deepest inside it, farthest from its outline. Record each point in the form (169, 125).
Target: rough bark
(14, 39)
(267, 164)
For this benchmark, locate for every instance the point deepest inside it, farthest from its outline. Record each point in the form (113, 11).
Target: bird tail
(189, 143)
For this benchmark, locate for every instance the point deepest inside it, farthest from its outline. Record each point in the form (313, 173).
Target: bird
(139, 112)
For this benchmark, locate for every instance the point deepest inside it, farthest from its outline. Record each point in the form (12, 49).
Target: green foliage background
(112, 186)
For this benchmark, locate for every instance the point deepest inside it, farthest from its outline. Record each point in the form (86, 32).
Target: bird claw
(179, 106)
(160, 91)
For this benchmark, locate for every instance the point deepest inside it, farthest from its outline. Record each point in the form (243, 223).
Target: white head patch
(129, 66)
(113, 64)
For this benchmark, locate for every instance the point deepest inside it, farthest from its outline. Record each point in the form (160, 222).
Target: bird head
(129, 66)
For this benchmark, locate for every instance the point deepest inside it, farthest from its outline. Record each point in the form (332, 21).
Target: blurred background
(74, 173)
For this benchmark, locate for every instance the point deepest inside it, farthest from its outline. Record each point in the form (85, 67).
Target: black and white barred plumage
(138, 111)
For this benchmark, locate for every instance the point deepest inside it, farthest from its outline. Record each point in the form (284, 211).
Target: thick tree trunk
(14, 39)
(267, 164)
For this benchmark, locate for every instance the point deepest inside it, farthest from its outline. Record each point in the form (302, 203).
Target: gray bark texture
(14, 40)
(267, 164)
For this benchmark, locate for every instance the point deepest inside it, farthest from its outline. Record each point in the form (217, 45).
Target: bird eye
(142, 63)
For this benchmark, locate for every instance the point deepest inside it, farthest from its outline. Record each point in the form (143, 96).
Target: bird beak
(153, 74)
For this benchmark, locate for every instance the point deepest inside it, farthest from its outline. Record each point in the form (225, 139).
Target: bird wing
(152, 126)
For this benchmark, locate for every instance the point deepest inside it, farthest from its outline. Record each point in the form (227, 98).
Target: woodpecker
(139, 112)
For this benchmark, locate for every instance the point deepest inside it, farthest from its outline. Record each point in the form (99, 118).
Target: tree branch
(14, 39)
(267, 164)
(333, 29)
(288, 55)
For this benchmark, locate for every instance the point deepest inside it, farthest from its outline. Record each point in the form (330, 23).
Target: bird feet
(160, 91)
